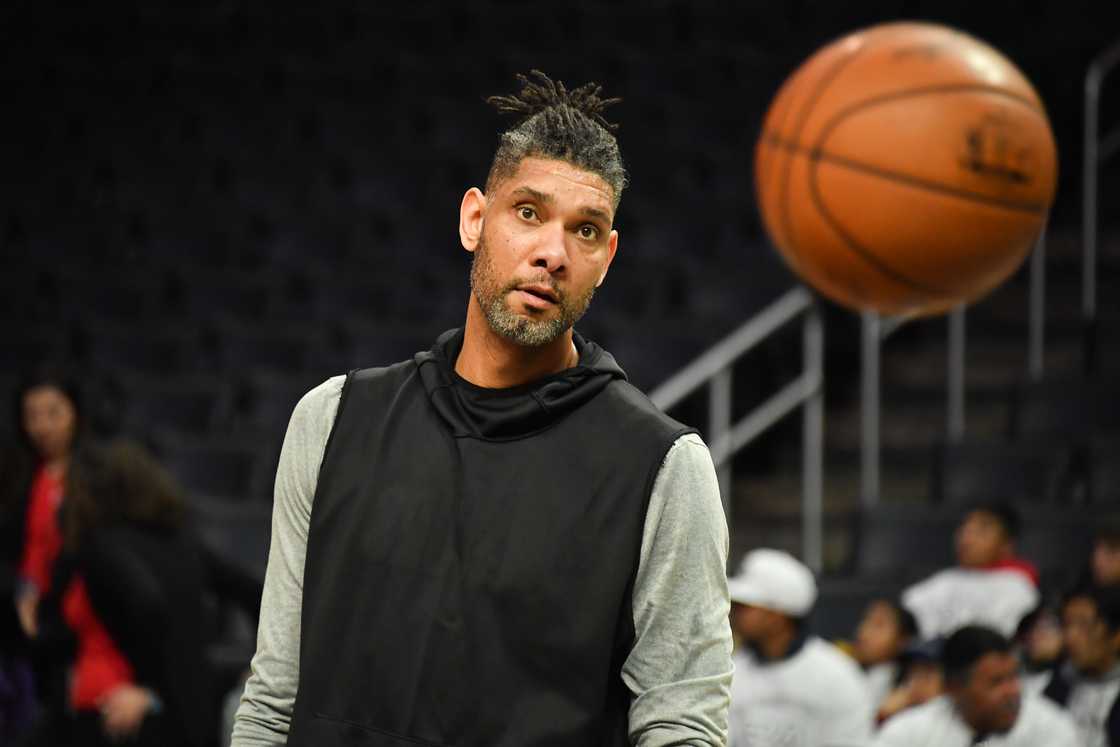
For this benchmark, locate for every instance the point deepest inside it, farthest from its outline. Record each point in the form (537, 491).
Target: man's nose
(550, 252)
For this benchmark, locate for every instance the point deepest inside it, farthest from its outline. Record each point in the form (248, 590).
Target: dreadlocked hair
(554, 122)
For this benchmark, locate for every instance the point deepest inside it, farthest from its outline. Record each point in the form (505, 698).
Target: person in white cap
(790, 689)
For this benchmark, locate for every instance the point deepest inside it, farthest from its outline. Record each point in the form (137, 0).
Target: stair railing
(714, 368)
(1097, 150)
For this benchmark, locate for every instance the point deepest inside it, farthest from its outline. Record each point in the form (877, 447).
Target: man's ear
(612, 247)
(471, 212)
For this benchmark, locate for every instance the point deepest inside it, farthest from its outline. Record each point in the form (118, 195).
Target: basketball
(905, 169)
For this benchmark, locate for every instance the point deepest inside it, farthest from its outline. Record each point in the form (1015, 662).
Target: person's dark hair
(1105, 598)
(966, 647)
(47, 375)
(558, 123)
(1004, 512)
(907, 623)
(118, 484)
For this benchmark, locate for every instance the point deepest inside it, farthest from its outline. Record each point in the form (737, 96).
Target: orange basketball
(905, 169)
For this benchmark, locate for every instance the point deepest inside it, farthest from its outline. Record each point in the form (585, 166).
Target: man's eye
(526, 212)
(588, 231)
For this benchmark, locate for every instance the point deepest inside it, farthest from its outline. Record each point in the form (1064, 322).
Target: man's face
(981, 540)
(546, 243)
(989, 701)
(1106, 562)
(1089, 642)
(878, 638)
(754, 624)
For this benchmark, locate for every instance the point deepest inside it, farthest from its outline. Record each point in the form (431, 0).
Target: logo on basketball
(993, 150)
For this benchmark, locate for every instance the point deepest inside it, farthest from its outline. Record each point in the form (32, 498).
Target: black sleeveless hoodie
(471, 557)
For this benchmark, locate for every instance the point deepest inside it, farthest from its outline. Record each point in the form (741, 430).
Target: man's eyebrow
(602, 215)
(540, 197)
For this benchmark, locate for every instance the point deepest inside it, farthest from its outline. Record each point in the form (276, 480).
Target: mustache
(544, 279)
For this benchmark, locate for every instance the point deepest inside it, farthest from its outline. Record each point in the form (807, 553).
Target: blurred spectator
(1105, 561)
(883, 634)
(32, 472)
(1089, 682)
(126, 600)
(991, 586)
(790, 688)
(983, 703)
(919, 679)
(1041, 647)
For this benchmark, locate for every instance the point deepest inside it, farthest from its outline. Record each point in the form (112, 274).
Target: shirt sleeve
(265, 712)
(679, 669)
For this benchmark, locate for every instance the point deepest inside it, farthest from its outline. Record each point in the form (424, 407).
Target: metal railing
(714, 369)
(876, 329)
(1097, 150)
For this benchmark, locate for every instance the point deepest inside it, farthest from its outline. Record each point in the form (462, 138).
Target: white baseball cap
(774, 580)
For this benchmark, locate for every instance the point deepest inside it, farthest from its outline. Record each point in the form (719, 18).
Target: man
(502, 542)
(991, 586)
(791, 689)
(1089, 682)
(982, 705)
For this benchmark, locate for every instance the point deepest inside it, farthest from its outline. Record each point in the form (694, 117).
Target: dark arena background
(206, 209)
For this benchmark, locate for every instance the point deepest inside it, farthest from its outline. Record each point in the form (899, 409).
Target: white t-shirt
(880, 681)
(955, 597)
(936, 724)
(1089, 704)
(816, 698)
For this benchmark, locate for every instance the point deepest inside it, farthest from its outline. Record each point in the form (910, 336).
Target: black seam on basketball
(816, 155)
(926, 90)
(869, 256)
(840, 116)
(823, 83)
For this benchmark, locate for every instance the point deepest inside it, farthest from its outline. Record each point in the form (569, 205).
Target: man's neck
(493, 362)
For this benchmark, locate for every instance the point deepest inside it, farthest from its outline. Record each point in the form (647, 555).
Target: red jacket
(99, 666)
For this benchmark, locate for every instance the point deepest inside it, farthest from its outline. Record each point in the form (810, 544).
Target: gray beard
(507, 323)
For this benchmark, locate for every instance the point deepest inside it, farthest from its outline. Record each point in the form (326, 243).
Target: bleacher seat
(905, 541)
(244, 347)
(371, 344)
(265, 400)
(1103, 484)
(27, 345)
(144, 348)
(225, 468)
(1058, 541)
(1022, 471)
(1070, 408)
(185, 404)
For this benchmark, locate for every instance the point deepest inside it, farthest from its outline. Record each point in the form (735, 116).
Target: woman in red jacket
(32, 473)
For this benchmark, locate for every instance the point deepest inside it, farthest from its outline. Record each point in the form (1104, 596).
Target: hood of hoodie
(507, 414)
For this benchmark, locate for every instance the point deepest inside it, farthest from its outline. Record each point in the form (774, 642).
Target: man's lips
(538, 293)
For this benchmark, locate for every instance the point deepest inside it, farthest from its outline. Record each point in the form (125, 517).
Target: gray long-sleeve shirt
(679, 669)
